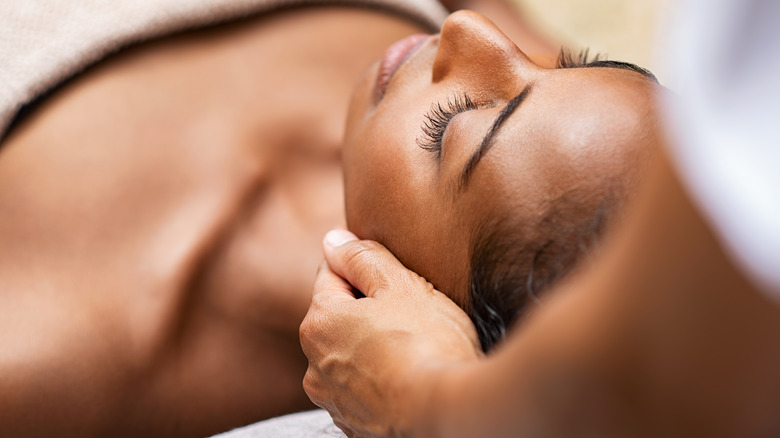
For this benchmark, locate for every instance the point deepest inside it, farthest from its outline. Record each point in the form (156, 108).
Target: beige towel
(44, 42)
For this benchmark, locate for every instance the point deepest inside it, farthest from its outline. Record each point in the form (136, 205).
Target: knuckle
(309, 382)
(305, 330)
(361, 252)
(310, 328)
(415, 284)
(318, 301)
(310, 334)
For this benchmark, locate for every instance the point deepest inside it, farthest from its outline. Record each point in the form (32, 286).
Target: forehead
(585, 107)
(578, 130)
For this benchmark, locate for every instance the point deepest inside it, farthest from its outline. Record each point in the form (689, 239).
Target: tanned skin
(161, 227)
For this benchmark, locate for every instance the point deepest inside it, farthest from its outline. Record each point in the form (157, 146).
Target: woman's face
(566, 132)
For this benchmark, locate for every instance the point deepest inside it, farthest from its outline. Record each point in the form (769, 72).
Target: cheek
(391, 191)
(381, 179)
(388, 200)
(384, 170)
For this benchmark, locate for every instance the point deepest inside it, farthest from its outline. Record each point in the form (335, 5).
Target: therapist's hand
(375, 362)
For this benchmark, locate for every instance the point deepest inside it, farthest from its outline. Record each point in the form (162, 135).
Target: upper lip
(387, 72)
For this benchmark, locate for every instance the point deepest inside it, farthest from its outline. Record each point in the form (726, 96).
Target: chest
(191, 178)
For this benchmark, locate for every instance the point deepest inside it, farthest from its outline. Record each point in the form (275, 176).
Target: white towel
(44, 42)
(311, 424)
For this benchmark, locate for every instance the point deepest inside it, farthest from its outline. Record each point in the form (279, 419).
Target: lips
(394, 58)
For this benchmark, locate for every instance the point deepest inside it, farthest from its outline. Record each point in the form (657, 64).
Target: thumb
(367, 265)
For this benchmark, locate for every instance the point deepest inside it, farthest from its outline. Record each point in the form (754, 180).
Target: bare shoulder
(159, 239)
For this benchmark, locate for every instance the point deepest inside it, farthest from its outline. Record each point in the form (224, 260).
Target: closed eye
(438, 118)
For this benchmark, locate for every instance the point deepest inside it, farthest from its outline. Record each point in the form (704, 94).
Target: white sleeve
(724, 59)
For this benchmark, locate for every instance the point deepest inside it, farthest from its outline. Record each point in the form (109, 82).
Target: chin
(363, 95)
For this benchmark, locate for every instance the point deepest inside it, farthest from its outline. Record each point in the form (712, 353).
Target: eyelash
(439, 117)
(566, 59)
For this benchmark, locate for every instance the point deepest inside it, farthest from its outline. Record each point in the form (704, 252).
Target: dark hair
(513, 263)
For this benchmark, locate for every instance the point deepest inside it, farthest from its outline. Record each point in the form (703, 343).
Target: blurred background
(624, 30)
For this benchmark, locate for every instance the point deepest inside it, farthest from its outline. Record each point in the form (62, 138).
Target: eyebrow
(487, 141)
(566, 59)
(621, 66)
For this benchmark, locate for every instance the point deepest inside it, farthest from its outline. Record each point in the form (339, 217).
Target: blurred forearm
(662, 336)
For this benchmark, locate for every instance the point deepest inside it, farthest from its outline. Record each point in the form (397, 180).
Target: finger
(329, 287)
(331, 294)
(367, 265)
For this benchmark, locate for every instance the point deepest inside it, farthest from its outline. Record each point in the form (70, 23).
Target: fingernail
(336, 238)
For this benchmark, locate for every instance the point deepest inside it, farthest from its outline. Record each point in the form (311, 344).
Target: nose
(473, 50)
